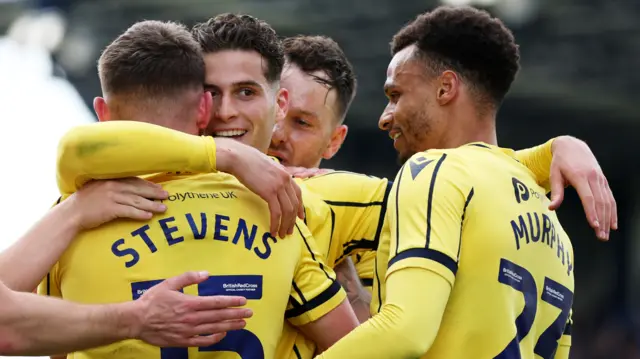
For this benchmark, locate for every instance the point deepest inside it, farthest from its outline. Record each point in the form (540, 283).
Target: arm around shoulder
(538, 160)
(119, 149)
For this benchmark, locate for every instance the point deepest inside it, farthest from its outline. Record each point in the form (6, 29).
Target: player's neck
(164, 116)
(474, 127)
(175, 124)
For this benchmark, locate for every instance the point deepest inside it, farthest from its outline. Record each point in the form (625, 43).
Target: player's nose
(225, 109)
(279, 134)
(385, 121)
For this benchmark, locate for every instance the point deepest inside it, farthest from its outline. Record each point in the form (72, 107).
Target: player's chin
(402, 158)
(403, 155)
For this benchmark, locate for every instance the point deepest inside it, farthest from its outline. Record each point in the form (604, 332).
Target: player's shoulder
(314, 204)
(465, 158)
(307, 191)
(344, 178)
(436, 162)
(480, 152)
(462, 153)
(347, 186)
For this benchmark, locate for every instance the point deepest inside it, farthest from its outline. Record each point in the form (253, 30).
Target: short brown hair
(152, 58)
(242, 32)
(321, 53)
(466, 40)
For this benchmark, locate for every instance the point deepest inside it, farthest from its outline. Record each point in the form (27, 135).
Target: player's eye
(393, 96)
(301, 122)
(246, 92)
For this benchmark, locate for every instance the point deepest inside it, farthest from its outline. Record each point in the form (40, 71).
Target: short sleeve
(50, 285)
(318, 217)
(315, 291)
(426, 212)
(358, 206)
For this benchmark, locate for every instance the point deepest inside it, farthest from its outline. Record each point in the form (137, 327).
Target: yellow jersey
(537, 159)
(359, 203)
(212, 223)
(508, 258)
(344, 211)
(477, 218)
(128, 148)
(117, 149)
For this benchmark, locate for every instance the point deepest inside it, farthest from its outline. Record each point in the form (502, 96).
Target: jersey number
(242, 342)
(553, 293)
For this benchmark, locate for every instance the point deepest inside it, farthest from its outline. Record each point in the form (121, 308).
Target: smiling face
(245, 104)
(411, 116)
(310, 131)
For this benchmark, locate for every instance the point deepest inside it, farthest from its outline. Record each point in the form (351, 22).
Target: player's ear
(282, 101)
(448, 85)
(101, 108)
(204, 110)
(337, 139)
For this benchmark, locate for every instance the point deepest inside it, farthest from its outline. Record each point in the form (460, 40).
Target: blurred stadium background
(579, 77)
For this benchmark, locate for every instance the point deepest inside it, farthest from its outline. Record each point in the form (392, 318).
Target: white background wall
(36, 109)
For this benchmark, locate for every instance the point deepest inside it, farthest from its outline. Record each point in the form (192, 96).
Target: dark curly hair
(152, 58)
(468, 41)
(321, 53)
(242, 32)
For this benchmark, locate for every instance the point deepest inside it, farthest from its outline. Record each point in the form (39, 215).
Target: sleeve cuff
(317, 307)
(426, 258)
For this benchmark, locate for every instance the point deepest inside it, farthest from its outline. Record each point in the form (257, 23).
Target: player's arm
(426, 213)
(365, 267)
(341, 221)
(538, 160)
(358, 205)
(25, 263)
(318, 305)
(566, 160)
(118, 149)
(71, 327)
(359, 297)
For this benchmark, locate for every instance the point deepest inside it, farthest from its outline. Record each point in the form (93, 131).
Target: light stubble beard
(420, 125)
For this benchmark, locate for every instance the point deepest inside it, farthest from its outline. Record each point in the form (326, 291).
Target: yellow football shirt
(344, 210)
(348, 212)
(537, 159)
(477, 218)
(359, 204)
(212, 223)
(127, 148)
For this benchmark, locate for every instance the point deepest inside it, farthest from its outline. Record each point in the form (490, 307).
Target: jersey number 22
(553, 293)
